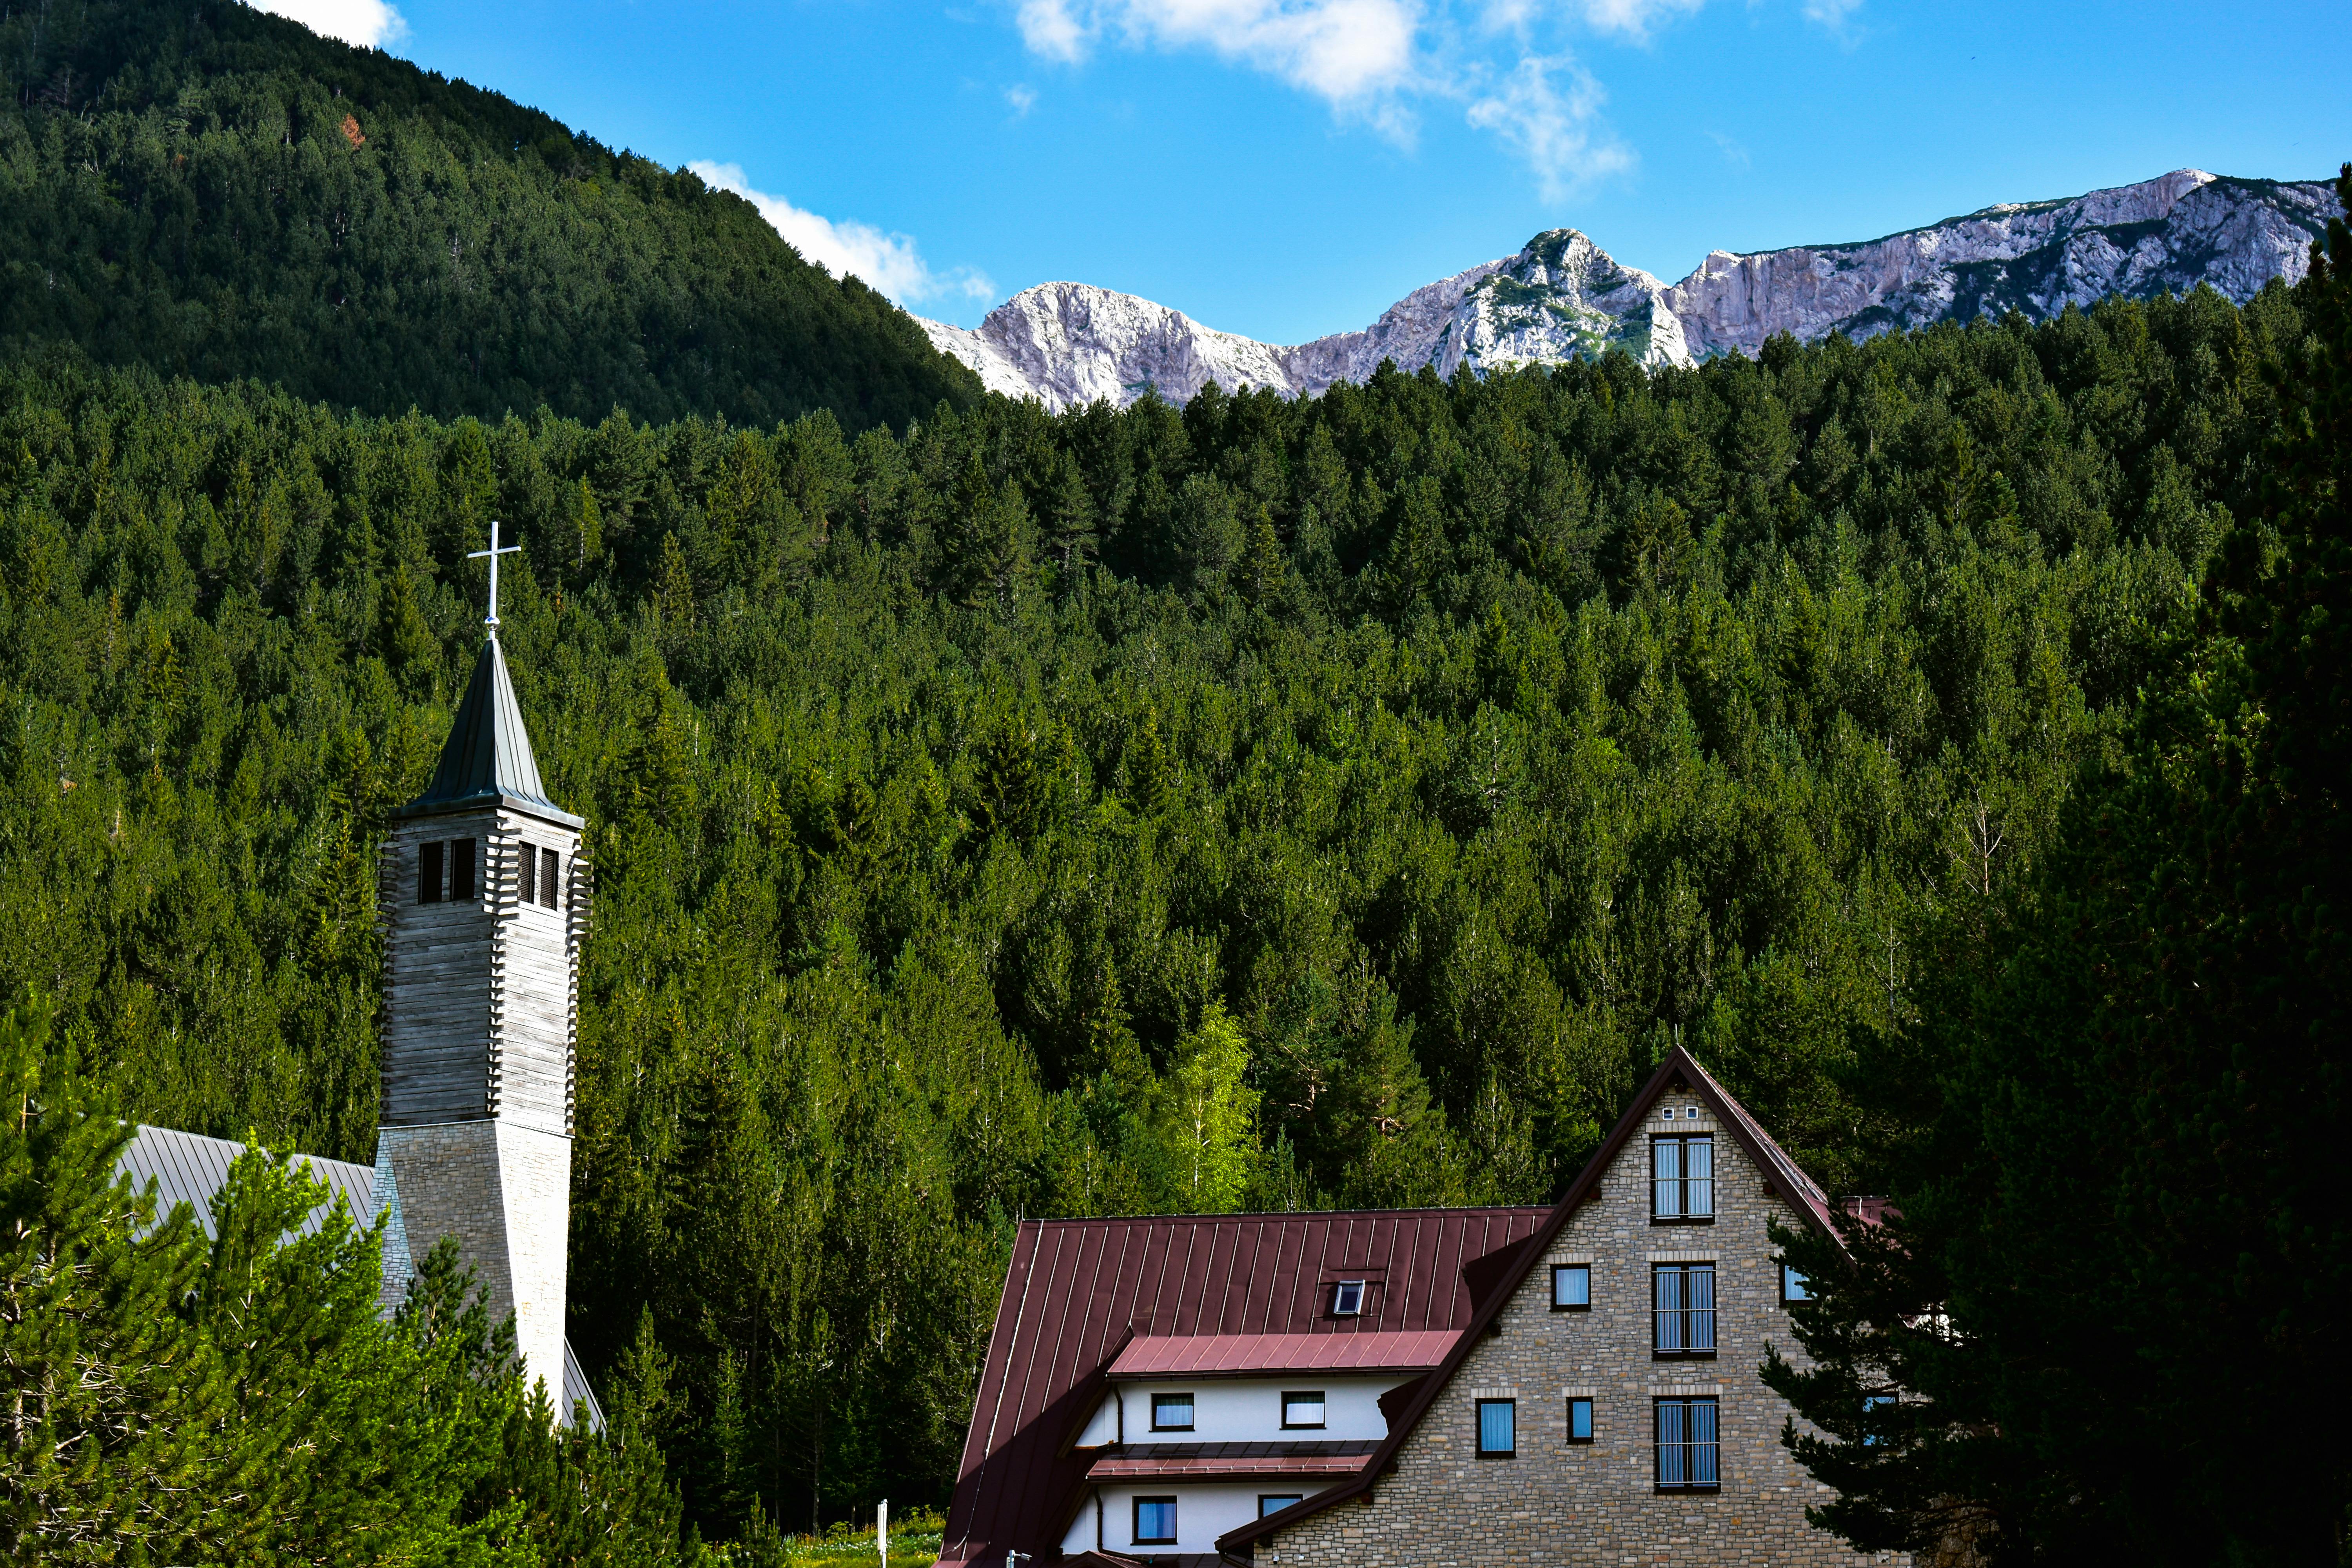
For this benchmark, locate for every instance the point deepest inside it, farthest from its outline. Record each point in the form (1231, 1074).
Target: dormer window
(1682, 1179)
(1171, 1412)
(1348, 1298)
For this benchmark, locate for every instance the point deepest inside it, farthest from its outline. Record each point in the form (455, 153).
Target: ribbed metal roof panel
(1078, 1291)
(487, 757)
(189, 1168)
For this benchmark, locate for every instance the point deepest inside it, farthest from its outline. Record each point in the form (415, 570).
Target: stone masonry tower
(482, 895)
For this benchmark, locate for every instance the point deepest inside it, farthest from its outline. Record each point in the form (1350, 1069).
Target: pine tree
(2116, 1276)
(114, 1400)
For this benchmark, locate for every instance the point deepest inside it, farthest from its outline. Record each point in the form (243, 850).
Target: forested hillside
(1260, 802)
(210, 191)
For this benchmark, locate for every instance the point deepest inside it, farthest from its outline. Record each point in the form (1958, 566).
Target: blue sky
(1287, 168)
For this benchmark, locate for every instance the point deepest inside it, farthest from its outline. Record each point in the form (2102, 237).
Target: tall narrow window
(1571, 1287)
(528, 874)
(1580, 1421)
(1682, 1183)
(428, 873)
(1687, 1448)
(461, 869)
(547, 877)
(1155, 1522)
(1171, 1412)
(1498, 1428)
(1683, 1314)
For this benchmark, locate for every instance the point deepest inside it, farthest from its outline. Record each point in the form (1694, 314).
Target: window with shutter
(428, 873)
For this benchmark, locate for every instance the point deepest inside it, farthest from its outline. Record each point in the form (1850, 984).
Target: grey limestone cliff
(1562, 297)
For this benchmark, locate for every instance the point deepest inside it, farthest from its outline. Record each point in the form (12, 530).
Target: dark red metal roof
(1080, 1290)
(1239, 1355)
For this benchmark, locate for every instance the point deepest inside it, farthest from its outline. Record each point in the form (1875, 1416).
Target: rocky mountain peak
(1562, 297)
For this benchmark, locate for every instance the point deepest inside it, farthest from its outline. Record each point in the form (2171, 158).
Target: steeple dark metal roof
(487, 758)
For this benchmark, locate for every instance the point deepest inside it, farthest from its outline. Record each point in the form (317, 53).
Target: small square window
(1793, 1285)
(1348, 1298)
(1275, 1502)
(1571, 1287)
(1155, 1522)
(1580, 1421)
(428, 873)
(1498, 1428)
(1303, 1408)
(1171, 1412)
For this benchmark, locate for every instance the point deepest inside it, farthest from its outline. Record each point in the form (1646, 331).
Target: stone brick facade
(503, 1191)
(1552, 1502)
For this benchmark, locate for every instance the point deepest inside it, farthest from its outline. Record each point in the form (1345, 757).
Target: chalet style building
(482, 903)
(1571, 1385)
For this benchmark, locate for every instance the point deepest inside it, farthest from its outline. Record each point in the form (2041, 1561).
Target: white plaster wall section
(535, 1168)
(1204, 1512)
(1250, 1410)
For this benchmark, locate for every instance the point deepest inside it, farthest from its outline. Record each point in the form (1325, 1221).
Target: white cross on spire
(491, 620)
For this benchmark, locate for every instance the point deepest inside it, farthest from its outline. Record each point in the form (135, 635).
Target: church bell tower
(482, 898)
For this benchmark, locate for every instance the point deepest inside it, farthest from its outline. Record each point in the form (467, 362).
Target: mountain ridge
(1562, 297)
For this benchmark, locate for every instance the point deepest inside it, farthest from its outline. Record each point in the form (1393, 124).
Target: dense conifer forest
(210, 191)
(1254, 803)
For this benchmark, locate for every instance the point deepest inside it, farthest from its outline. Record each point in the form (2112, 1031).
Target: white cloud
(1833, 14)
(370, 23)
(1549, 108)
(1023, 98)
(1635, 18)
(1347, 52)
(886, 261)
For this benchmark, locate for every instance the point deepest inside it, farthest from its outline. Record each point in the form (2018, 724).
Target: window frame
(1303, 1396)
(1135, 1521)
(1591, 1420)
(1287, 1499)
(1560, 1269)
(1803, 1291)
(1658, 1444)
(1682, 1180)
(1688, 1313)
(1479, 1415)
(1191, 1405)
(1339, 1289)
